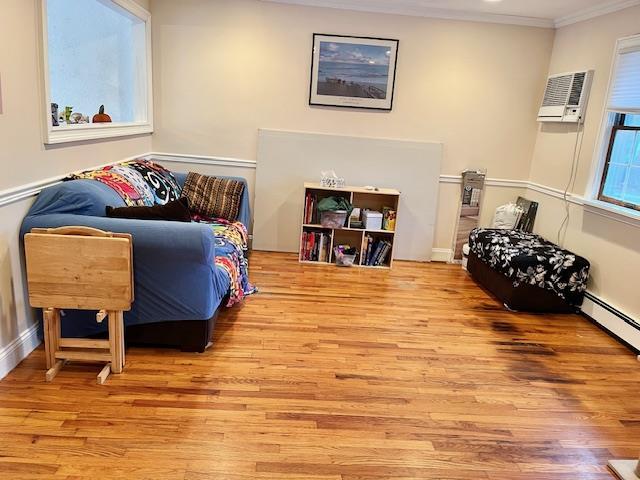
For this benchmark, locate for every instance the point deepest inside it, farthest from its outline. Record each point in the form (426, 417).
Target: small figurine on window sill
(78, 118)
(101, 117)
(67, 113)
(54, 115)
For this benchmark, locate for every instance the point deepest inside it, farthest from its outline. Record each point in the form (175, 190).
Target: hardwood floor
(340, 374)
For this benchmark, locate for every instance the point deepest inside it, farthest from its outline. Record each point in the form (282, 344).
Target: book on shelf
(376, 251)
(315, 247)
(310, 208)
(368, 241)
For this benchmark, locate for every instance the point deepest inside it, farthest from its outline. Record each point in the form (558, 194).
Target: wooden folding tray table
(80, 268)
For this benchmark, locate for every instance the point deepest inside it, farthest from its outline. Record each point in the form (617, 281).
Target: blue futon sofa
(178, 288)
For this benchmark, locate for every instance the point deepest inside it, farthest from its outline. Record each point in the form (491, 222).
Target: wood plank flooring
(340, 374)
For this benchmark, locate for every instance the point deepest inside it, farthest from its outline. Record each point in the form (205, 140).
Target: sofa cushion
(175, 211)
(213, 197)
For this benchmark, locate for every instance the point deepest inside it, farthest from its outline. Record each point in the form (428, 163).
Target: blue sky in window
(91, 58)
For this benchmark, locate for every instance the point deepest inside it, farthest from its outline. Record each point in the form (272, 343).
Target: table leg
(122, 344)
(115, 340)
(51, 318)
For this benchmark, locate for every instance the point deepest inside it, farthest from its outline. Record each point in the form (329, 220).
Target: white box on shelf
(372, 220)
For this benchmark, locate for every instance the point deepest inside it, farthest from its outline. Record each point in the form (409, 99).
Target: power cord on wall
(577, 149)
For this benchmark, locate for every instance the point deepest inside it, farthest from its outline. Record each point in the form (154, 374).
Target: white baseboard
(616, 322)
(18, 350)
(441, 255)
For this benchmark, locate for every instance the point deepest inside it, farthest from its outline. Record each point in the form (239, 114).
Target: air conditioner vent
(576, 89)
(557, 91)
(565, 97)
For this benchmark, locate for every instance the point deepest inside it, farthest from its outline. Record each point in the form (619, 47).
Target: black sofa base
(524, 298)
(186, 335)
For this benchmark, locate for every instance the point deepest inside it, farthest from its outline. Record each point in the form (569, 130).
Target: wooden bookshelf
(361, 198)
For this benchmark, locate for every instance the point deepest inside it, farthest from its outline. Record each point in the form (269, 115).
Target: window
(619, 181)
(96, 53)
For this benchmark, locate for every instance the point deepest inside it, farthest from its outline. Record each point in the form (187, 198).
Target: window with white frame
(97, 68)
(619, 172)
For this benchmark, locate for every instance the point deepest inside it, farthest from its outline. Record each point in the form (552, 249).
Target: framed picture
(357, 72)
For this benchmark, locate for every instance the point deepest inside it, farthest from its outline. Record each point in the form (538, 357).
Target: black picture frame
(347, 89)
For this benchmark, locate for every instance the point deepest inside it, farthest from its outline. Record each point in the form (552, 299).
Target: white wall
(24, 159)
(611, 246)
(225, 68)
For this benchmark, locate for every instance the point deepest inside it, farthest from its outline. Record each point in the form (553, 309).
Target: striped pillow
(213, 196)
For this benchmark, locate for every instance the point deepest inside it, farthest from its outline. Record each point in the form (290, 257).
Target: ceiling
(540, 13)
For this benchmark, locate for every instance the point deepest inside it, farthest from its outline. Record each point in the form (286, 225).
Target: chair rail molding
(15, 194)
(18, 193)
(490, 182)
(200, 159)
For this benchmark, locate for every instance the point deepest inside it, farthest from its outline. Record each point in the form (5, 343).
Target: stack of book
(375, 251)
(315, 247)
(310, 207)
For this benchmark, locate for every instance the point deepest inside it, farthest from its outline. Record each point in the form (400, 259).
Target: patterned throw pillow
(213, 197)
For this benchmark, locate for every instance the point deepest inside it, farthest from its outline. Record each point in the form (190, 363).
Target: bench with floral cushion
(526, 271)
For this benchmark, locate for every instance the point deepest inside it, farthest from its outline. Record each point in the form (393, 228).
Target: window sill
(95, 131)
(614, 212)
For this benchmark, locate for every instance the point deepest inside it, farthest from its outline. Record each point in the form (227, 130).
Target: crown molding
(414, 9)
(593, 12)
(411, 8)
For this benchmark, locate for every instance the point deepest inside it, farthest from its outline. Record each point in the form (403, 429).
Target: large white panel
(287, 159)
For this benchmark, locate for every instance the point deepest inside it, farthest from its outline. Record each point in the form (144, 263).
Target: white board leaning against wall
(288, 159)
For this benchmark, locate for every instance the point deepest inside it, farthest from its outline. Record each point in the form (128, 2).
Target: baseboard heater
(616, 323)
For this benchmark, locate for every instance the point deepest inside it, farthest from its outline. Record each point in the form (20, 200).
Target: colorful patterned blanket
(231, 247)
(145, 183)
(138, 182)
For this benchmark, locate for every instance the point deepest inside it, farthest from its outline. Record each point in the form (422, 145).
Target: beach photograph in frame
(356, 72)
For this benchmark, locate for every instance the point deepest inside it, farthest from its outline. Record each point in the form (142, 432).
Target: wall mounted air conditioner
(565, 98)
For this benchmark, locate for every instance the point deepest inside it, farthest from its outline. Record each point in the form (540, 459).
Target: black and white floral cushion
(527, 258)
